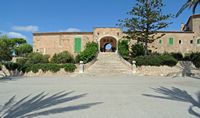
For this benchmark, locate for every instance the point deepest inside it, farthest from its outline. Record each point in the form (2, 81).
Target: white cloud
(15, 35)
(71, 30)
(29, 28)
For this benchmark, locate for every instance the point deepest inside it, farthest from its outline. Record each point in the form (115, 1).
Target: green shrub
(156, 60)
(37, 58)
(0, 66)
(195, 58)
(89, 53)
(137, 50)
(50, 67)
(34, 68)
(21, 61)
(177, 56)
(77, 59)
(168, 60)
(69, 67)
(187, 57)
(62, 58)
(151, 60)
(47, 67)
(12, 66)
(44, 67)
(123, 49)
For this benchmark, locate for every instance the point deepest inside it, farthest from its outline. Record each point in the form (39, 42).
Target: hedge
(156, 60)
(0, 66)
(69, 67)
(12, 66)
(48, 67)
(123, 49)
(195, 58)
(37, 58)
(62, 58)
(177, 56)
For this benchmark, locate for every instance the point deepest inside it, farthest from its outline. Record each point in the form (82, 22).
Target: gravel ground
(105, 96)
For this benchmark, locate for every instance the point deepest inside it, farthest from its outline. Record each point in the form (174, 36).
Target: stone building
(184, 41)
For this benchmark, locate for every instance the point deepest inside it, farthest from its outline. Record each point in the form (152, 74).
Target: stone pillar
(81, 67)
(134, 67)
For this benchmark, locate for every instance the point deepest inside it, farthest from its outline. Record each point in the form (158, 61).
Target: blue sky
(22, 17)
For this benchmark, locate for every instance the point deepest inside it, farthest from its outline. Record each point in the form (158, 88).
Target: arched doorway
(108, 44)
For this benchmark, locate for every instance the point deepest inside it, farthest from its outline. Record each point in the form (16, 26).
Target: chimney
(182, 26)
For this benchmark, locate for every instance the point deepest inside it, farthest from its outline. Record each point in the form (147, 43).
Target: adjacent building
(186, 40)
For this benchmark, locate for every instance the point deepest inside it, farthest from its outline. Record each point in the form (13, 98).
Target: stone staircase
(108, 63)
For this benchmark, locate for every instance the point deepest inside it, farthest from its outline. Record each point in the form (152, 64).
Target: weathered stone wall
(100, 33)
(196, 26)
(51, 43)
(181, 42)
(62, 72)
(158, 71)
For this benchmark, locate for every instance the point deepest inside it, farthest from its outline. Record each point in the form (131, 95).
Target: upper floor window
(191, 41)
(171, 41)
(160, 41)
(180, 42)
(198, 41)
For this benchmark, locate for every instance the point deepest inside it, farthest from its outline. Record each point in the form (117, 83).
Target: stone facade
(51, 43)
(187, 40)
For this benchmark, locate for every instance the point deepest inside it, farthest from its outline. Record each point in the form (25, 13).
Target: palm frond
(186, 5)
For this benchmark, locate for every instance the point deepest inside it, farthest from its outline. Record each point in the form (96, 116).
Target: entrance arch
(105, 41)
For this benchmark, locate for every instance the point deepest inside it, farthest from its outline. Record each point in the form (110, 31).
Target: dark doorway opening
(108, 44)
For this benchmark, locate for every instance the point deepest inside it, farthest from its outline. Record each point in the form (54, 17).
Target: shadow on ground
(177, 94)
(41, 105)
(187, 69)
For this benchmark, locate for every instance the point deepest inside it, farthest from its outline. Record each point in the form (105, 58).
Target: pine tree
(145, 20)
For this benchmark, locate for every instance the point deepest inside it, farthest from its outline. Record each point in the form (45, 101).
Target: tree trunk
(146, 48)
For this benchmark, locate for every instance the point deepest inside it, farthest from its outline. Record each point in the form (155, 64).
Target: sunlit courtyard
(89, 96)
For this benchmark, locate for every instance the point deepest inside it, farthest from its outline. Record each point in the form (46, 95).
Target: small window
(191, 41)
(98, 33)
(198, 41)
(180, 42)
(171, 41)
(160, 41)
(118, 34)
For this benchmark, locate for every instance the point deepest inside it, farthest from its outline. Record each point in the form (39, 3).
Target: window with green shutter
(160, 41)
(77, 45)
(198, 41)
(171, 41)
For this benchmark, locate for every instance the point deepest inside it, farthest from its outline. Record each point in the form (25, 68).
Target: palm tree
(191, 4)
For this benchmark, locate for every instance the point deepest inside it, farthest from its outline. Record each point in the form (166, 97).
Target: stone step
(108, 63)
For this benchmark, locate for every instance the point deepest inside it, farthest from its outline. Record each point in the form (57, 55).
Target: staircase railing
(125, 62)
(87, 65)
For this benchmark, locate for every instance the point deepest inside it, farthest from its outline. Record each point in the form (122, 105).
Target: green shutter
(160, 41)
(198, 41)
(171, 41)
(77, 45)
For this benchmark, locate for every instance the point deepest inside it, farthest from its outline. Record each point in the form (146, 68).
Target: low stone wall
(159, 71)
(5, 73)
(87, 65)
(129, 65)
(62, 72)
